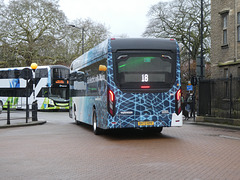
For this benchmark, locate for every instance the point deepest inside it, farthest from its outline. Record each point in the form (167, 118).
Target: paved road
(60, 149)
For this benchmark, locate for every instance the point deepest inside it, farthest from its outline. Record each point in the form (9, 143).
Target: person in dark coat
(190, 104)
(183, 106)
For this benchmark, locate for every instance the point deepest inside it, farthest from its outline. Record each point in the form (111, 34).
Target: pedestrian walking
(183, 106)
(190, 104)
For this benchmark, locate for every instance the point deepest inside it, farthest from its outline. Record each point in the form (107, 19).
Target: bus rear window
(136, 69)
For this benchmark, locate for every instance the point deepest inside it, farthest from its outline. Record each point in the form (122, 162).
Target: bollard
(27, 113)
(34, 110)
(8, 112)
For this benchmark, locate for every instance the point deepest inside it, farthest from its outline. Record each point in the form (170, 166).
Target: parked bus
(51, 87)
(127, 83)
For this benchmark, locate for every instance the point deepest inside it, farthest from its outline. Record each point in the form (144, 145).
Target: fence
(220, 97)
(18, 115)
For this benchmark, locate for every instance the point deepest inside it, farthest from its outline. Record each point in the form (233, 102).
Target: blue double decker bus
(127, 83)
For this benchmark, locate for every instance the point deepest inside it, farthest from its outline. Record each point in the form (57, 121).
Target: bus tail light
(178, 102)
(145, 87)
(111, 102)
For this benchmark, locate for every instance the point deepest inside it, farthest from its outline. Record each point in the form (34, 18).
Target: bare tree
(31, 27)
(92, 32)
(37, 31)
(181, 19)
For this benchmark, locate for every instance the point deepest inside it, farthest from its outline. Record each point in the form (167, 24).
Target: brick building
(220, 96)
(225, 38)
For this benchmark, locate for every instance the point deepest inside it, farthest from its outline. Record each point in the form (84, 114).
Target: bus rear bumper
(131, 121)
(177, 120)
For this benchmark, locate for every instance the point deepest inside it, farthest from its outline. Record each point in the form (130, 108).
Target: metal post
(82, 36)
(189, 52)
(236, 33)
(34, 86)
(27, 113)
(201, 76)
(189, 56)
(8, 112)
(83, 40)
(27, 107)
(194, 103)
(201, 64)
(230, 96)
(34, 110)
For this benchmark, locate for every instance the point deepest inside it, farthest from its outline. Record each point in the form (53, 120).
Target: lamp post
(34, 104)
(34, 67)
(189, 56)
(201, 76)
(71, 25)
(201, 56)
(189, 53)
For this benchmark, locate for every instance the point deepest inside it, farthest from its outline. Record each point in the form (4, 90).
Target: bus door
(77, 89)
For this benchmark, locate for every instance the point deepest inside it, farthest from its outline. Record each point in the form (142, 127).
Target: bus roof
(101, 50)
(92, 55)
(142, 44)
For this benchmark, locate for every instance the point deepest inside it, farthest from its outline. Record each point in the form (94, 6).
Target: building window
(226, 73)
(238, 32)
(238, 18)
(225, 23)
(238, 26)
(224, 37)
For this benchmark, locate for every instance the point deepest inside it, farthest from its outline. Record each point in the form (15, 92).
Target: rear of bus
(144, 86)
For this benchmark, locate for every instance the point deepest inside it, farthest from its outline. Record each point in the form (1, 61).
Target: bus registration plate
(146, 123)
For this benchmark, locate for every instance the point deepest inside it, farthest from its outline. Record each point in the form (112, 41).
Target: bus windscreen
(60, 73)
(154, 69)
(60, 88)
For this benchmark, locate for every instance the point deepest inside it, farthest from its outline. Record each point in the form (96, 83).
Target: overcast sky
(128, 17)
(121, 17)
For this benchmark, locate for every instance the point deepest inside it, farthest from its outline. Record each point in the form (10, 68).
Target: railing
(9, 115)
(223, 97)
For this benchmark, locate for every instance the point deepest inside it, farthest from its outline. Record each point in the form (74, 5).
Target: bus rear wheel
(96, 130)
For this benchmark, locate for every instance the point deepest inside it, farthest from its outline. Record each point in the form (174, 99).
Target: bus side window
(80, 76)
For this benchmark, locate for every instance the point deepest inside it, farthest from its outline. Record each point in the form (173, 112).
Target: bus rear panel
(145, 89)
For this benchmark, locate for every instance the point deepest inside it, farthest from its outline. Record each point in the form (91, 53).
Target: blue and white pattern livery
(94, 55)
(142, 104)
(90, 95)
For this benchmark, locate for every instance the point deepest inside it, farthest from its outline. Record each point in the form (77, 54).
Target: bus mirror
(102, 68)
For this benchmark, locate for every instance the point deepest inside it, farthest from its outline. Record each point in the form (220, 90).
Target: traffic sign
(189, 87)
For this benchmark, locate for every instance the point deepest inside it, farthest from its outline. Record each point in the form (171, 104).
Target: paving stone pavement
(60, 149)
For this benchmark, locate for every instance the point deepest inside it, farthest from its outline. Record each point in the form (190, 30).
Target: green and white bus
(51, 87)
